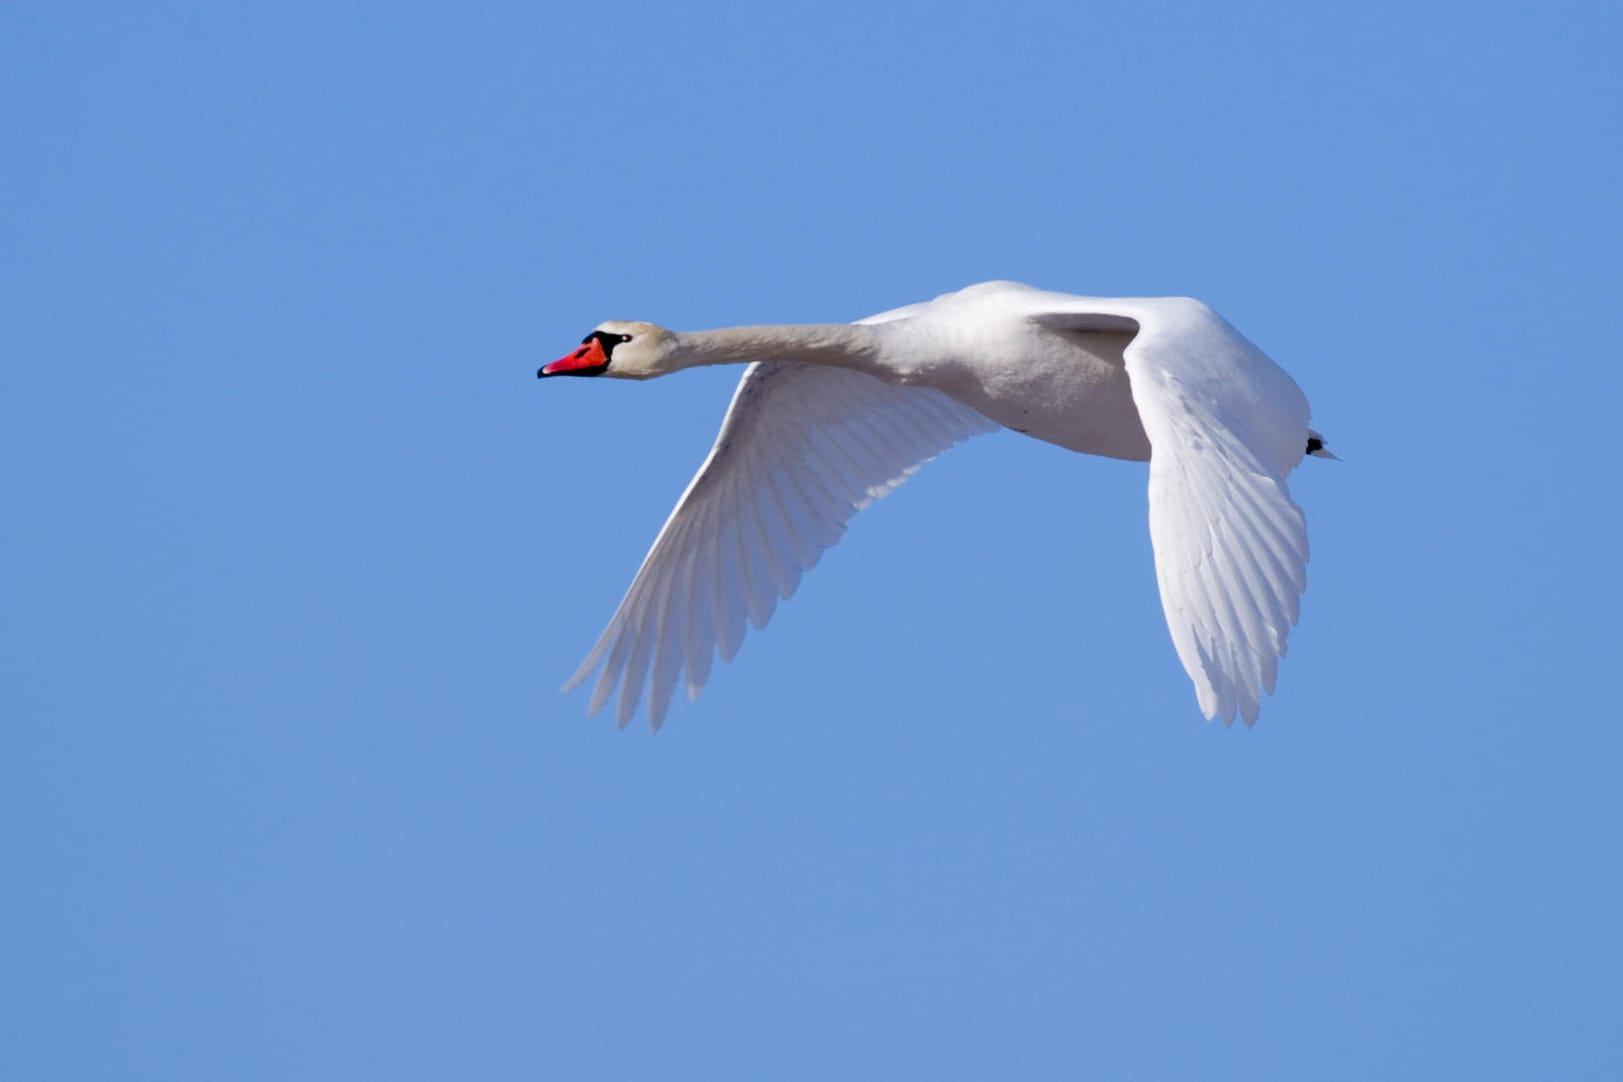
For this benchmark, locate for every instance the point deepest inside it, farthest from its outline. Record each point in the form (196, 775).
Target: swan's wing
(801, 450)
(1226, 425)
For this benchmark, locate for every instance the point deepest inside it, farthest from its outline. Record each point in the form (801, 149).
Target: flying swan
(829, 417)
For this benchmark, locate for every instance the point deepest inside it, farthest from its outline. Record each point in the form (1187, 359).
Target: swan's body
(829, 417)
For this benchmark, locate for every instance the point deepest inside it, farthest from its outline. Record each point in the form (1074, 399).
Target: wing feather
(1226, 426)
(801, 450)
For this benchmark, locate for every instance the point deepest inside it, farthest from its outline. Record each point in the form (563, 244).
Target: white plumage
(829, 417)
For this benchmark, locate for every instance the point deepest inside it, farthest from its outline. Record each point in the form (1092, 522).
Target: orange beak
(588, 360)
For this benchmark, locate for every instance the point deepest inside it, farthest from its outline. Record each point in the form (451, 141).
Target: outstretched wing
(802, 449)
(1226, 425)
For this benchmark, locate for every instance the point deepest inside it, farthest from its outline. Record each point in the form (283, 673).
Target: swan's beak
(588, 360)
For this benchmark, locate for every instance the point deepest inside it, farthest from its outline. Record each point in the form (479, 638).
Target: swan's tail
(1316, 446)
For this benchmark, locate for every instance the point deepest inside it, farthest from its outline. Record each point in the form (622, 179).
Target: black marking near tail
(1314, 444)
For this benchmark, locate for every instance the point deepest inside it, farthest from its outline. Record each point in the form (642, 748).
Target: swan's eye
(625, 338)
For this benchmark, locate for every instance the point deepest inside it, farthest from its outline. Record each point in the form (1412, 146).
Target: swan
(830, 417)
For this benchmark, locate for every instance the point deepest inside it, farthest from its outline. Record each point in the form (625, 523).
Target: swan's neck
(843, 345)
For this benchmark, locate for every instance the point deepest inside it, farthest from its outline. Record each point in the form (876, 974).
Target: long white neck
(843, 345)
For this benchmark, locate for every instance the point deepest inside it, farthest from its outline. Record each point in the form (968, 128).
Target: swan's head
(619, 348)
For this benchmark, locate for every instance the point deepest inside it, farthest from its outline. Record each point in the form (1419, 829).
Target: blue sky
(298, 551)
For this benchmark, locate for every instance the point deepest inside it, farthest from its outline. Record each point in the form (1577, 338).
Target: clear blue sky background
(297, 551)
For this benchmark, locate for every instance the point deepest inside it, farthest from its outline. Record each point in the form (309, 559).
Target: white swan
(830, 417)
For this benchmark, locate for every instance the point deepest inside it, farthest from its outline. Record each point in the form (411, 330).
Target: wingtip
(581, 674)
(600, 694)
